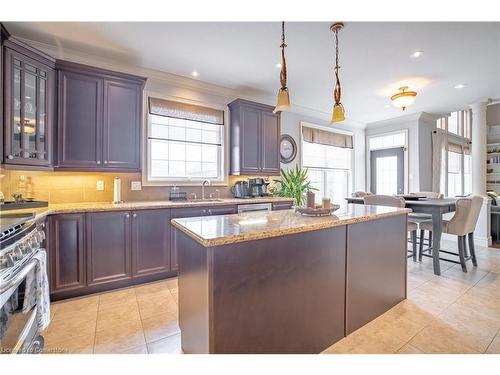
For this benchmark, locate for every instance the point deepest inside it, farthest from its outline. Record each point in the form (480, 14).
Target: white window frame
(335, 130)
(405, 155)
(146, 152)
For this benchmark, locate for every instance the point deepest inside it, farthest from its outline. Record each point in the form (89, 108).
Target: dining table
(433, 206)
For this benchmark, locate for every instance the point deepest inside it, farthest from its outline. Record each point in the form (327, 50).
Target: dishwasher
(254, 207)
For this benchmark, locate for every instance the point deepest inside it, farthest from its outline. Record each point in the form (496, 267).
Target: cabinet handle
(127, 215)
(98, 162)
(10, 157)
(134, 215)
(210, 212)
(105, 162)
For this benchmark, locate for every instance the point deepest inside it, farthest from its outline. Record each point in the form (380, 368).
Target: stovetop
(8, 222)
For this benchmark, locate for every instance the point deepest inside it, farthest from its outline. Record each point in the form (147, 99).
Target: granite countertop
(212, 231)
(65, 208)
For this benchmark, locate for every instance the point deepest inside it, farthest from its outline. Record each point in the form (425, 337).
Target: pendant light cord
(337, 90)
(283, 61)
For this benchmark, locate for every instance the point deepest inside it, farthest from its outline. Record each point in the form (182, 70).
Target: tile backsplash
(71, 187)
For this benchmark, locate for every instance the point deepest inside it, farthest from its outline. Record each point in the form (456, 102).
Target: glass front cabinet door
(29, 108)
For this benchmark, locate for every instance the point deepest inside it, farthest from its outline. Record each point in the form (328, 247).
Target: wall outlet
(135, 185)
(99, 186)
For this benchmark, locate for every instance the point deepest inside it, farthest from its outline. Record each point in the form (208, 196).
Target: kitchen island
(280, 282)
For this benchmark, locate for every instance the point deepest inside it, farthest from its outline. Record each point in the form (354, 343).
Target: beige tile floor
(454, 313)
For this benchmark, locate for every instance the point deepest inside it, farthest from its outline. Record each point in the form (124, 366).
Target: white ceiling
(375, 58)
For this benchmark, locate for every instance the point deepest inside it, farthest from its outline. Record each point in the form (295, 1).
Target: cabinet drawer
(282, 205)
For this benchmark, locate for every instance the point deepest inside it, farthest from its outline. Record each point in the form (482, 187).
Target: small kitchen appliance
(241, 189)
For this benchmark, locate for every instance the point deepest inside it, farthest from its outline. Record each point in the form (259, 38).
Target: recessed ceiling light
(387, 106)
(194, 73)
(278, 65)
(460, 86)
(417, 54)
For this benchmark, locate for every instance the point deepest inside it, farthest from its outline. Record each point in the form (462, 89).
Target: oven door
(18, 331)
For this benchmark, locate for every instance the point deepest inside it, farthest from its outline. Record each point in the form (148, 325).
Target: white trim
(406, 161)
(145, 133)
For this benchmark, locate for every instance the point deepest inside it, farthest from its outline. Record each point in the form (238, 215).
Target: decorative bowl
(307, 211)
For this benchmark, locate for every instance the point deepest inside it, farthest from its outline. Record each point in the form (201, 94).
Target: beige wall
(71, 187)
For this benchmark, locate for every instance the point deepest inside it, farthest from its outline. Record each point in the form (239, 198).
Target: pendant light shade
(283, 102)
(338, 109)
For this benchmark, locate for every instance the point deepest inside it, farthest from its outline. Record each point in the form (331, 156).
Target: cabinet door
(108, 247)
(250, 140)
(29, 92)
(122, 125)
(150, 242)
(270, 138)
(80, 120)
(67, 251)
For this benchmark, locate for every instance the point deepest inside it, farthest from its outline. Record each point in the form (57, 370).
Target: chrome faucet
(203, 184)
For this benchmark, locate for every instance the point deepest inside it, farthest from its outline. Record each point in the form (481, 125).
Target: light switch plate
(99, 186)
(135, 185)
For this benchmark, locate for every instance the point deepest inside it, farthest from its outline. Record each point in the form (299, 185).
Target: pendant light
(283, 103)
(403, 98)
(338, 109)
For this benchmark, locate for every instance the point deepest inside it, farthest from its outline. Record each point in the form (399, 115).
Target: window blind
(168, 108)
(323, 137)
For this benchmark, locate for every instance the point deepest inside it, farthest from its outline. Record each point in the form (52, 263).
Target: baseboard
(478, 241)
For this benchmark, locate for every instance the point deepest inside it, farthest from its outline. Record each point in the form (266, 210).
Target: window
(458, 123)
(329, 166)
(455, 166)
(180, 146)
(459, 170)
(387, 141)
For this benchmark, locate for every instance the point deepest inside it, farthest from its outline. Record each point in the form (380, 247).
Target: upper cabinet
(28, 87)
(99, 119)
(255, 133)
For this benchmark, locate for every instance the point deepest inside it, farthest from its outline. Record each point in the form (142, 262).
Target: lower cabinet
(66, 245)
(150, 242)
(108, 247)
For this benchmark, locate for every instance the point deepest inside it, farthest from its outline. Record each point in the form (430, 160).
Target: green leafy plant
(293, 184)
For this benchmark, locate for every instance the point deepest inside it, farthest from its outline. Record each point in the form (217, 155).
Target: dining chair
(387, 200)
(360, 194)
(462, 224)
(419, 217)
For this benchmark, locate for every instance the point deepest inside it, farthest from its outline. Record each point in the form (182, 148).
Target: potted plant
(293, 184)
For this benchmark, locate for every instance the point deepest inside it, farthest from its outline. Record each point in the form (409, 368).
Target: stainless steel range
(20, 240)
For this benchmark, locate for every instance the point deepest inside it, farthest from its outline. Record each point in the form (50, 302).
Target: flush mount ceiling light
(338, 109)
(403, 98)
(417, 54)
(283, 103)
(460, 86)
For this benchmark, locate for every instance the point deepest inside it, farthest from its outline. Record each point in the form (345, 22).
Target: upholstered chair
(462, 224)
(429, 194)
(387, 200)
(360, 194)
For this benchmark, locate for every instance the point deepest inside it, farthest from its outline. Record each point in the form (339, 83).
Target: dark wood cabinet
(255, 133)
(29, 93)
(122, 119)
(108, 247)
(66, 244)
(80, 120)
(150, 242)
(100, 114)
(193, 212)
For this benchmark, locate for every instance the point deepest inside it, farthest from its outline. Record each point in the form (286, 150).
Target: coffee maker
(258, 187)
(241, 189)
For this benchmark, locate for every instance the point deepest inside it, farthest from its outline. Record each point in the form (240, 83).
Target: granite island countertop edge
(263, 234)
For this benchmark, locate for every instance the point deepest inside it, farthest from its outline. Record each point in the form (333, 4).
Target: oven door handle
(18, 277)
